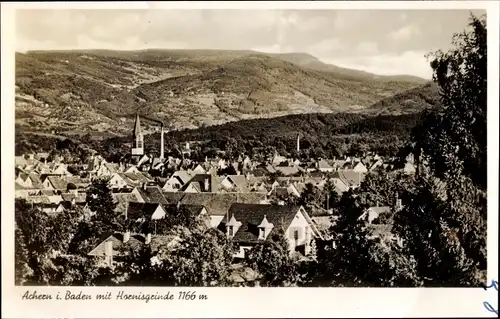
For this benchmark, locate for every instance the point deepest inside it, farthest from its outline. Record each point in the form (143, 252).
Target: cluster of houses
(238, 204)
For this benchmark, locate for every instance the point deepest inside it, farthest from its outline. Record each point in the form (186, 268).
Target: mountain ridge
(82, 91)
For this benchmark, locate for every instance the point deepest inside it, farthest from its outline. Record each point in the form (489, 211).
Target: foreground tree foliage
(454, 139)
(195, 258)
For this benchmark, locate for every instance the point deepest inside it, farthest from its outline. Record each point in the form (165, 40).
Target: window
(296, 234)
(230, 231)
(262, 233)
(139, 143)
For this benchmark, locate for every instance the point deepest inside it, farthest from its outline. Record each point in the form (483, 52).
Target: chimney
(148, 239)
(126, 236)
(207, 184)
(162, 150)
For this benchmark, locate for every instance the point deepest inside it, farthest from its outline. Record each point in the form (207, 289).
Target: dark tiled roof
(57, 182)
(152, 194)
(139, 210)
(240, 181)
(214, 185)
(218, 204)
(136, 241)
(122, 200)
(193, 210)
(251, 215)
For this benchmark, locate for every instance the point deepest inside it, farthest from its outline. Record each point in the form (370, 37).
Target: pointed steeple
(137, 126)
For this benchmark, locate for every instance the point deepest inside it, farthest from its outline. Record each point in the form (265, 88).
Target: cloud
(405, 33)
(363, 38)
(409, 62)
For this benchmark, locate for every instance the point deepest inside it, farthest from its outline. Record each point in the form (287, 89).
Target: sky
(384, 42)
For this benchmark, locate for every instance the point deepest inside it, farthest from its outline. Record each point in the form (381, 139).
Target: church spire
(139, 138)
(137, 126)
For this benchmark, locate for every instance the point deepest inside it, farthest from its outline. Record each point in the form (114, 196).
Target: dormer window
(232, 226)
(265, 228)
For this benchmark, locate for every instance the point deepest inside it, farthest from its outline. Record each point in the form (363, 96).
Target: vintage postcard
(254, 159)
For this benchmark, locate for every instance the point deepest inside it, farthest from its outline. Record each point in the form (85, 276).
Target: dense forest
(321, 135)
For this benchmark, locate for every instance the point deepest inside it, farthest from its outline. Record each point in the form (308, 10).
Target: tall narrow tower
(139, 138)
(162, 142)
(298, 143)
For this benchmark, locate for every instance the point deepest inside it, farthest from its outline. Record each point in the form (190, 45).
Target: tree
(443, 222)
(274, 262)
(455, 137)
(443, 228)
(104, 219)
(201, 258)
(357, 258)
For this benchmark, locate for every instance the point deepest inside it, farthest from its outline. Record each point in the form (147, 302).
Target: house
(29, 180)
(376, 164)
(202, 183)
(54, 182)
(235, 183)
(107, 169)
(52, 209)
(60, 169)
(145, 211)
(177, 181)
(217, 204)
(149, 194)
(350, 178)
(341, 184)
(278, 159)
(250, 224)
(288, 170)
(42, 157)
(198, 169)
(114, 246)
(120, 181)
(323, 166)
(355, 166)
(285, 192)
(374, 212)
(74, 199)
(122, 200)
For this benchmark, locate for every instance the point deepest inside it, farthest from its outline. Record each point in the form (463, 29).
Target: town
(256, 196)
(331, 205)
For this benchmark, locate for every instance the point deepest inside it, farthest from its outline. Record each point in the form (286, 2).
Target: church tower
(298, 143)
(138, 148)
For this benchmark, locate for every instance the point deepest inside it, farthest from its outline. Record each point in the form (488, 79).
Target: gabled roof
(218, 204)
(350, 177)
(57, 182)
(214, 184)
(136, 241)
(251, 215)
(139, 210)
(324, 164)
(288, 170)
(122, 200)
(80, 198)
(152, 194)
(380, 209)
(240, 182)
(194, 210)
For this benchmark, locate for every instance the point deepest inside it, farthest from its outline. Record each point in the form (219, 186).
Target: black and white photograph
(251, 148)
